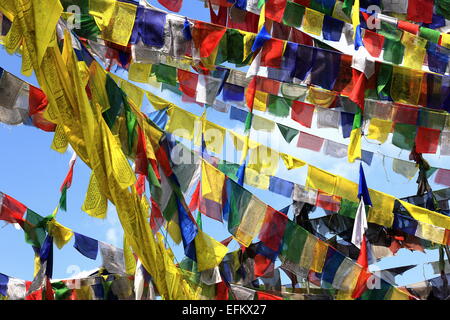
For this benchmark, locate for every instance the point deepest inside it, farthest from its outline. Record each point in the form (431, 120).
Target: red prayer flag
(249, 24)
(262, 266)
(220, 17)
(250, 93)
(172, 5)
(272, 230)
(304, 3)
(206, 37)
(373, 42)
(272, 53)
(267, 296)
(141, 161)
(37, 103)
(361, 284)
(302, 113)
(420, 10)
(309, 141)
(443, 177)
(156, 217)
(11, 210)
(140, 185)
(328, 202)
(405, 113)
(359, 87)
(275, 9)
(221, 291)
(300, 37)
(226, 241)
(195, 200)
(408, 26)
(427, 140)
(268, 85)
(188, 82)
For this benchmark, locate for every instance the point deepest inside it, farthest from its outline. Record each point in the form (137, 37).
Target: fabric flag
(373, 42)
(420, 10)
(280, 186)
(302, 113)
(443, 177)
(309, 141)
(289, 133)
(172, 5)
(149, 27)
(405, 168)
(347, 123)
(209, 251)
(427, 140)
(379, 129)
(354, 148)
(67, 183)
(356, 25)
(86, 246)
(11, 210)
(293, 14)
(332, 28)
(206, 37)
(359, 233)
(313, 22)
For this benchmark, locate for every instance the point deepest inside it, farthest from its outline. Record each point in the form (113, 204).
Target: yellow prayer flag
(139, 72)
(130, 261)
(355, 16)
(264, 160)
(255, 179)
(320, 254)
(209, 251)
(212, 182)
(445, 40)
(214, 136)
(397, 294)
(157, 102)
(307, 256)
(121, 24)
(251, 222)
(46, 16)
(174, 231)
(262, 17)
(60, 142)
(382, 208)
(262, 124)
(260, 101)
(406, 85)
(239, 141)
(347, 189)
(415, 51)
(102, 11)
(95, 203)
(321, 180)
(427, 216)
(354, 148)
(313, 21)
(431, 233)
(379, 129)
(249, 38)
(181, 123)
(61, 235)
(133, 92)
(290, 162)
(321, 97)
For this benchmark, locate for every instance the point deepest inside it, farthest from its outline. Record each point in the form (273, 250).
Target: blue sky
(32, 173)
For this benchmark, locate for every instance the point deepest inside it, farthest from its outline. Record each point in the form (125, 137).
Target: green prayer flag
(384, 80)
(443, 8)
(348, 208)
(293, 14)
(393, 51)
(390, 31)
(431, 119)
(248, 121)
(171, 208)
(318, 5)
(199, 220)
(166, 74)
(63, 199)
(279, 106)
(229, 169)
(235, 46)
(239, 199)
(34, 228)
(60, 290)
(357, 120)
(293, 242)
(347, 7)
(222, 52)
(430, 172)
(115, 98)
(429, 34)
(287, 132)
(404, 136)
(131, 126)
(174, 89)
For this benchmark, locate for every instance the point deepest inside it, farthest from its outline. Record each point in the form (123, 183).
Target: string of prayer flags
(67, 183)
